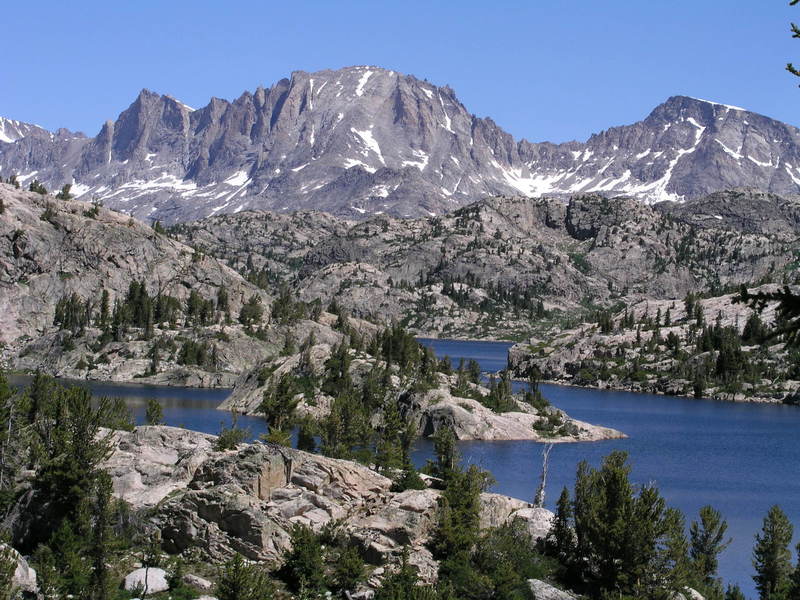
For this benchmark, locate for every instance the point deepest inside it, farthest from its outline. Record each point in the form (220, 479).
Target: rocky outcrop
(430, 410)
(247, 500)
(471, 420)
(746, 210)
(482, 271)
(59, 248)
(642, 357)
(151, 462)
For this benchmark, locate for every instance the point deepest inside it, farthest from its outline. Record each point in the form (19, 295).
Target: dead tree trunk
(538, 500)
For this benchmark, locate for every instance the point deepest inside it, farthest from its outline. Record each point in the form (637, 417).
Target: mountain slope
(481, 271)
(363, 140)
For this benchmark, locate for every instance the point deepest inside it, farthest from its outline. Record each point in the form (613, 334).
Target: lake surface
(740, 458)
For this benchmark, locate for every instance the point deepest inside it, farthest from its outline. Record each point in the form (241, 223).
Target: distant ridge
(362, 141)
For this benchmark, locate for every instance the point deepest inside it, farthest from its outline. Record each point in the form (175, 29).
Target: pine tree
(240, 581)
(303, 569)
(707, 542)
(388, 452)
(8, 565)
(734, 592)
(64, 193)
(155, 413)
(349, 570)
(99, 550)
(447, 457)
(771, 556)
(561, 538)
(794, 579)
(36, 186)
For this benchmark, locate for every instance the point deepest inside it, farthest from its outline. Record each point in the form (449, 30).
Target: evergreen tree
(707, 542)
(71, 451)
(771, 556)
(64, 193)
(560, 539)
(349, 569)
(155, 413)
(388, 455)
(303, 569)
(625, 538)
(447, 457)
(458, 525)
(279, 402)
(251, 312)
(734, 592)
(100, 580)
(240, 581)
(36, 186)
(8, 565)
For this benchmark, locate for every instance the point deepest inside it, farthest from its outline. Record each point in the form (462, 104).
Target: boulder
(545, 591)
(151, 462)
(150, 579)
(24, 576)
(538, 521)
(197, 582)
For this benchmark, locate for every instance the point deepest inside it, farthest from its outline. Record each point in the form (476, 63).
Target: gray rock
(560, 252)
(151, 579)
(545, 591)
(24, 577)
(72, 253)
(150, 463)
(197, 581)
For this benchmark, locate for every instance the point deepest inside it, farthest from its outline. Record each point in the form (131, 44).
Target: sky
(544, 70)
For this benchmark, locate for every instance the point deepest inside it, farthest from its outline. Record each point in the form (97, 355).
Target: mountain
(363, 141)
(492, 269)
(11, 131)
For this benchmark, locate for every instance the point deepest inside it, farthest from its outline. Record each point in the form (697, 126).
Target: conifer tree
(771, 556)
(240, 581)
(155, 413)
(561, 538)
(64, 193)
(100, 579)
(707, 542)
(303, 569)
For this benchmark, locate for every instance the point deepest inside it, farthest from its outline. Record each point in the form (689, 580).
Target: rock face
(247, 500)
(151, 462)
(363, 141)
(479, 271)
(24, 577)
(55, 247)
(745, 210)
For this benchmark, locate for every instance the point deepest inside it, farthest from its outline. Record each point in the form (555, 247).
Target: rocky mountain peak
(364, 140)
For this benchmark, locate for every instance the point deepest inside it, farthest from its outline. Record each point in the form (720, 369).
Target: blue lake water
(740, 458)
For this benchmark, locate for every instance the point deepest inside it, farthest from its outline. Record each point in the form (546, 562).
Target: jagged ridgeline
(505, 267)
(364, 141)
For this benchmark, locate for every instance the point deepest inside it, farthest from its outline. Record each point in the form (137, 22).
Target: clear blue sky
(542, 69)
